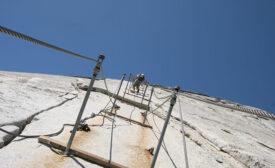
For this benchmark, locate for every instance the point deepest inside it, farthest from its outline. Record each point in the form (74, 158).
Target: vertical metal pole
(130, 83)
(145, 115)
(111, 146)
(127, 84)
(172, 103)
(96, 71)
(144, 93)
(183, 137)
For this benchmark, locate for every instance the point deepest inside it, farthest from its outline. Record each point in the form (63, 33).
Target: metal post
(144, 94)
(127, 84)
(96, 71)
(183, 137)
(172, 103)
(145, 115)
(110, 157)
(130, 83)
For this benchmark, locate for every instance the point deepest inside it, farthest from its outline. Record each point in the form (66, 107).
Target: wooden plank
(128, 119)
(80, 153)
(126, 100)
(138, 96)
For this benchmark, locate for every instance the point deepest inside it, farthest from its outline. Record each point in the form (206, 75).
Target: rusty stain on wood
(80, 153)
(55, 160)
(141, 158)
(49, 160)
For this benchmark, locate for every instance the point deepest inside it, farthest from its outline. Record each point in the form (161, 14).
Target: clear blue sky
(223, 48)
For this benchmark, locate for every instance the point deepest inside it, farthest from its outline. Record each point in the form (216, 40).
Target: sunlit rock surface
(37, 104)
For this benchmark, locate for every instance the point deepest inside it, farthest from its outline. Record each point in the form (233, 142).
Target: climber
(138, 80)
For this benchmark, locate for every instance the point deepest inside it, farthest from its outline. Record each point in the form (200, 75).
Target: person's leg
(134, 85)
(138, 86)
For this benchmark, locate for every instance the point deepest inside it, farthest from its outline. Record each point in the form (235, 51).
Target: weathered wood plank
(128, 119)
(80, 153)
(137, 96)
(121, 98)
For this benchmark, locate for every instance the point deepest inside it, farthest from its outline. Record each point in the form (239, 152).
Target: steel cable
(132, 110)
(163, 143)
(52, 134)
(105, 83)
(114, 116)
(35, 41)
(36, 136)
(161, 97)
(110, 97)
(152, 111)
(243, 109)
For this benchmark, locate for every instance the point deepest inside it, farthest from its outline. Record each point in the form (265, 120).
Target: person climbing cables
(139, 78)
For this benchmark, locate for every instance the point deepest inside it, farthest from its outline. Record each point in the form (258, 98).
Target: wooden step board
(80, 153)
(128, 119)
(138, 96)
(124, 99)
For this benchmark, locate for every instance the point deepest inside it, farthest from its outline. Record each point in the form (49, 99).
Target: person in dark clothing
(138, 80)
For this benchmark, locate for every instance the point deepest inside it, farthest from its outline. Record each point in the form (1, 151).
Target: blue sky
(222, 48)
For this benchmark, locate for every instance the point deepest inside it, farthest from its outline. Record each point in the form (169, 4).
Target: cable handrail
(35, 41)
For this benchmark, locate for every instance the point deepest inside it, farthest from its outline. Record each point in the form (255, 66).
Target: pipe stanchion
(96, 71)
(144, 93)
(172, 103)
(148, 107)
(114, 104)
(127, 84)
(183, 137)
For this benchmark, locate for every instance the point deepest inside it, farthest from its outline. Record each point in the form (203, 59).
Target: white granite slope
(39, 104)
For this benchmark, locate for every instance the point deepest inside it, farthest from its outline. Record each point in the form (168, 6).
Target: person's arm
(146, 82)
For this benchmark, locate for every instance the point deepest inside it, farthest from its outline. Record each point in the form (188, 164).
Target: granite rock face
(216, 136)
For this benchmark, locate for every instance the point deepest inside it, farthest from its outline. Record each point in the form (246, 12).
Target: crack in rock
(219, 148)
(18, 127)
(244, 158)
